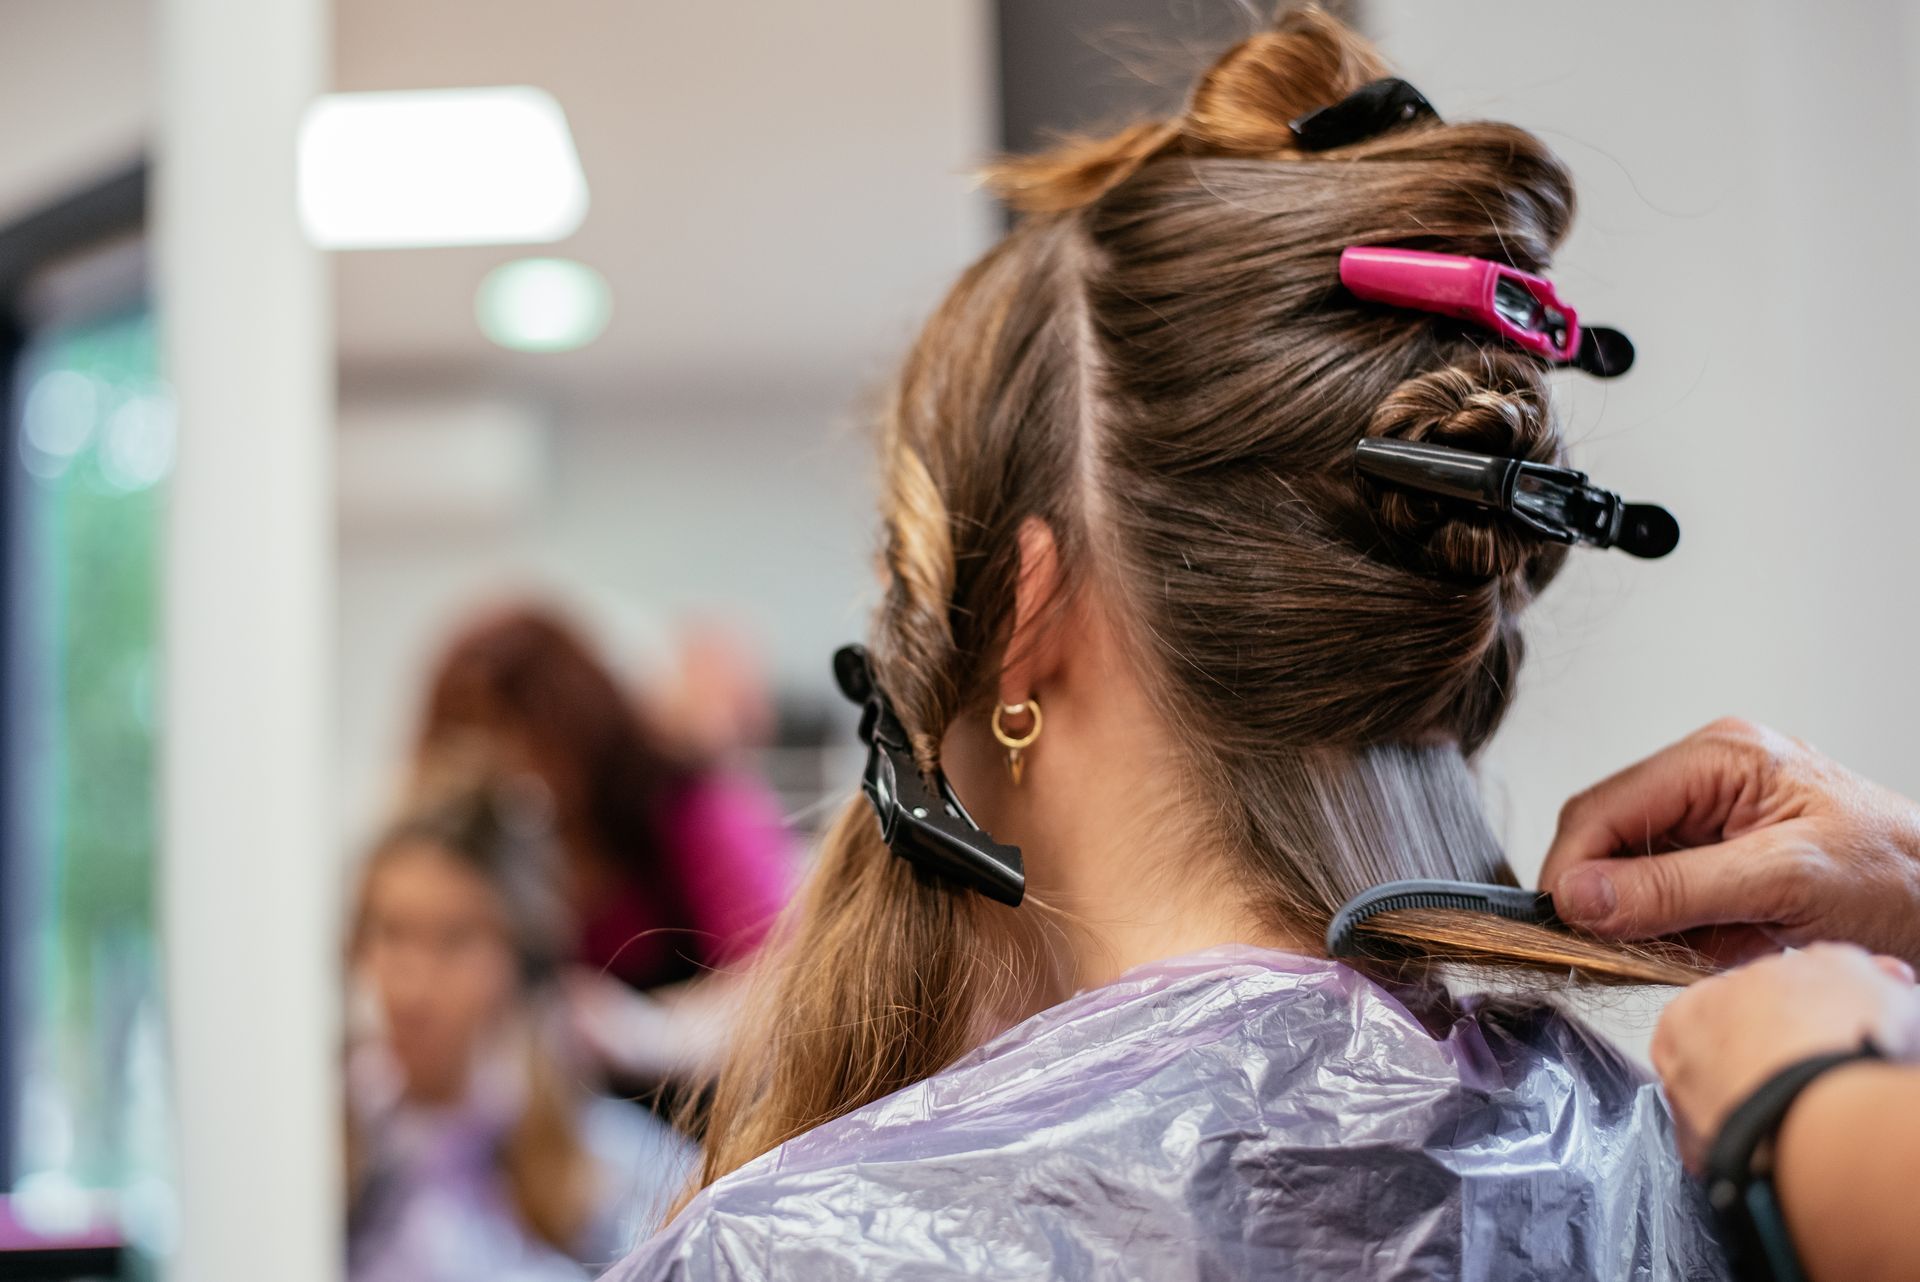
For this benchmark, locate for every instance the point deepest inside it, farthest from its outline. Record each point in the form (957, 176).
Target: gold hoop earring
(1016, 764)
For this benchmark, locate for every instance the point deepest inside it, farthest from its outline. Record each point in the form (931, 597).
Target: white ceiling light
(439, 167)
(543, 304)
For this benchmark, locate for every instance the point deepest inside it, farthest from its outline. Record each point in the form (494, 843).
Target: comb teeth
(1455, 896)
(1433, 899)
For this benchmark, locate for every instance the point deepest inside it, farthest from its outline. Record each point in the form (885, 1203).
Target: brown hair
(524, 673)
(499, 828)
(1158, 362)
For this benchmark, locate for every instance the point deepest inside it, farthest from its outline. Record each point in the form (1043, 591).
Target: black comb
(1533, 906)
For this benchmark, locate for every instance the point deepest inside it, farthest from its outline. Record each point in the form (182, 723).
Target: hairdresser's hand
(627, 1034)
(1720, 1039)
(1771, 844)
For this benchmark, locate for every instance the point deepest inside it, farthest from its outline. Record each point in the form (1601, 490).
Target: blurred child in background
(474, 1151)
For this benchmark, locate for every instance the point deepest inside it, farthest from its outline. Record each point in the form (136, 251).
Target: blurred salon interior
(435, 476)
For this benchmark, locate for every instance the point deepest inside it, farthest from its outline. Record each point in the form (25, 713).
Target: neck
(1123, 864)
(1135, 875)
(437, 1085)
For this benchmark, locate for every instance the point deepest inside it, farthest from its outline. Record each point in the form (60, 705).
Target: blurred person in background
(474, 1151)
(674, 865)
(716, 706)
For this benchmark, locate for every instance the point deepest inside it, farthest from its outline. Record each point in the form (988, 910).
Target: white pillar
(249, 881)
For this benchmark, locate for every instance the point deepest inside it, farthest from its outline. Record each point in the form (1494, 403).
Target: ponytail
(875, 978)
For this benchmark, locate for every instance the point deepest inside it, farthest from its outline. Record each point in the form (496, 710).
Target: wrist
(1743, 1164)
(1835, 1094)
(1820, 1162)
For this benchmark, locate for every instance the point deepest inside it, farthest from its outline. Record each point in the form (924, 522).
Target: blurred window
(88, 446)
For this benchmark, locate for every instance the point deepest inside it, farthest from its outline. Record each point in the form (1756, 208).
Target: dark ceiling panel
(1081, 64)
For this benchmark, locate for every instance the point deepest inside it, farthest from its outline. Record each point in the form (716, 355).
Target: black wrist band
(1740, 1171)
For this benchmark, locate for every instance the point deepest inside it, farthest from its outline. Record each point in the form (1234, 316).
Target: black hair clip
(1604, 352)
(930, 831)
(1367, 112)
(1554, 502)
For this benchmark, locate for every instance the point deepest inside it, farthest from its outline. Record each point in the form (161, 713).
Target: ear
(1033, 646)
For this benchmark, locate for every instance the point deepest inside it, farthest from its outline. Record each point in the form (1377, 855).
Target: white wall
(76, 95)
(1748, 189)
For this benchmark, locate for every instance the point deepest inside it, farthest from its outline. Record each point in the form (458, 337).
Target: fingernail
(1585, 894)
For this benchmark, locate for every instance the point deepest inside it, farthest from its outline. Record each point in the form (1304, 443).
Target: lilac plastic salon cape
(434, 1205)
(1234, 1114)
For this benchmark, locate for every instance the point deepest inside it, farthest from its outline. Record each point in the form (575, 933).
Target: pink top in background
(732, 867)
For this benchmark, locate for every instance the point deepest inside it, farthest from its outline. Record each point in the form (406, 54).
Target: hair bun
(1499, 406)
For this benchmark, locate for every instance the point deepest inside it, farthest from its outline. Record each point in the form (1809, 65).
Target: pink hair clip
(1522, 308)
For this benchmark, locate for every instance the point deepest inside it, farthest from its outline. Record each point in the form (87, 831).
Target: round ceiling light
(543, 304)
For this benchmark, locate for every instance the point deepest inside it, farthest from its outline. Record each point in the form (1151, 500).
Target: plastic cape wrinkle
(1237, 1113)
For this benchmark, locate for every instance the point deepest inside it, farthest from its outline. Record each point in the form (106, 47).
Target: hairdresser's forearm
(1849, 1160)
(677, 1032)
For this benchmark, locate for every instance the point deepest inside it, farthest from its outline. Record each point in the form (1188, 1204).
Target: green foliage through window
(93, 443)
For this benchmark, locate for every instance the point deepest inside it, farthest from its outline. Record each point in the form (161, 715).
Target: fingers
(1752, 880)
(1718, 1040)
(1724, 947)
(1682, 791)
